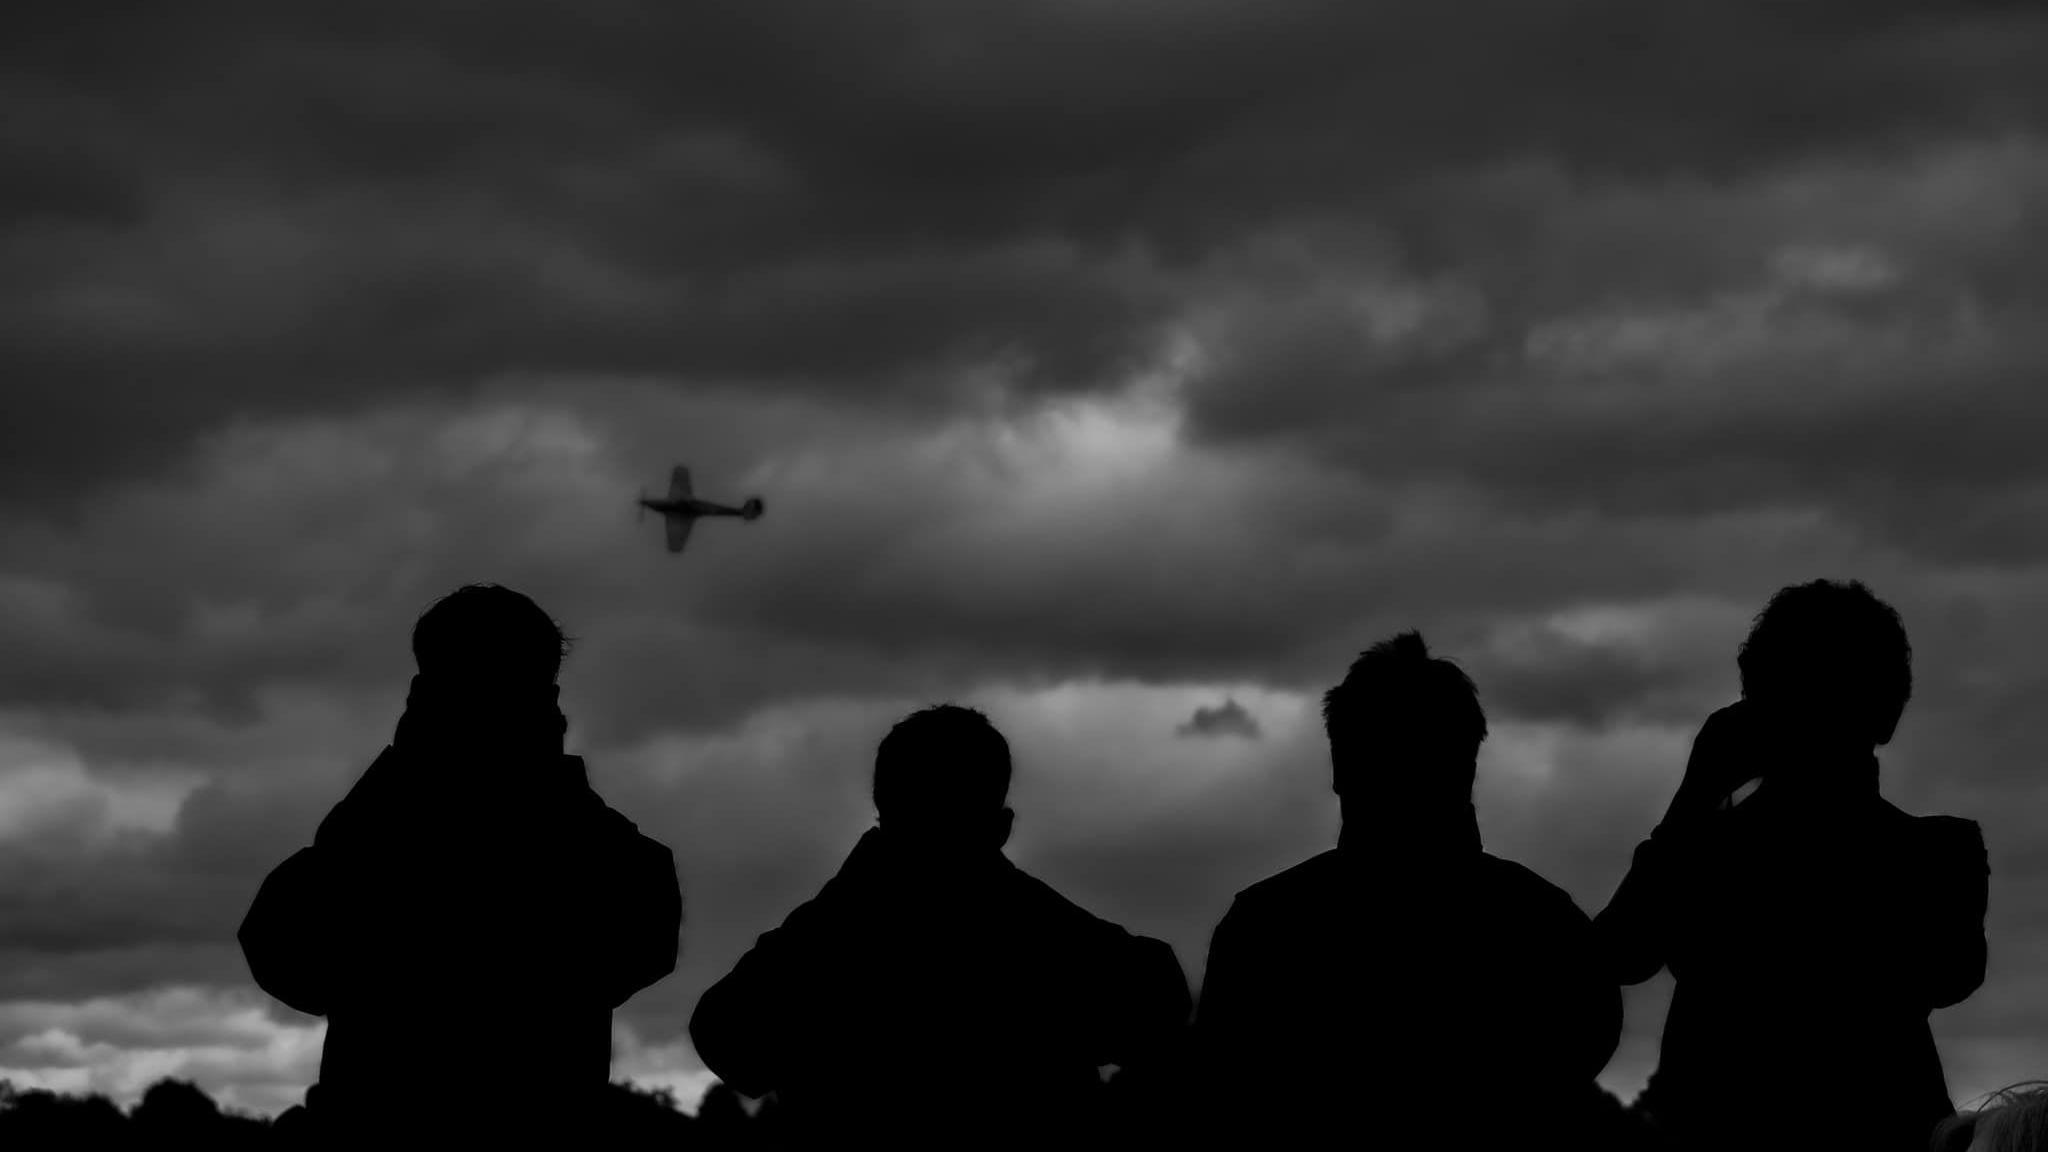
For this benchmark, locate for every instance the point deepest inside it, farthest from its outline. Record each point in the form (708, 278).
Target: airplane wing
(679, 531)
(679, 483)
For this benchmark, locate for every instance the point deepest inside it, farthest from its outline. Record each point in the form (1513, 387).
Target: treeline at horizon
(178, 1110)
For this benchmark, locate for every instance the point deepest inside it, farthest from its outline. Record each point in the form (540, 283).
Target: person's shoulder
(568, 791)
(1953, 835)
(1514, 881)
(1501, 870)
(1931, 827)
(1043, 901)
(369, 797)
(1059, 916)
(1311, 877)
(1952, 827)
(1074, 944)
(1935, 841)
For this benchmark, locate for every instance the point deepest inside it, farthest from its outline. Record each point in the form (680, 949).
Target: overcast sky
(1121, 366)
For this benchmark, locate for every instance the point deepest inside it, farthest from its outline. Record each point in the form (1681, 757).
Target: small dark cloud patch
(1226, 719)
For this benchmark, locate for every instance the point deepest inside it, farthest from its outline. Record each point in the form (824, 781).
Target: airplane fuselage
(689, 506)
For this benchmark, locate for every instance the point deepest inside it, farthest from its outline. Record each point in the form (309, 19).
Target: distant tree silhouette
(634, 1116)
(652, 1117)
(171, 1114)
(176, 1105)
(722, 1119)
(178, 1114)
(39, 1118)
(1612, 1126)
(721, 1107)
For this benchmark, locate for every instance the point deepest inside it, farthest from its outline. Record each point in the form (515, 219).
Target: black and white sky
(1120, 366)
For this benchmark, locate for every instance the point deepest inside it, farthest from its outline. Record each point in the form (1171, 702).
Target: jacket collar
(1456, 834)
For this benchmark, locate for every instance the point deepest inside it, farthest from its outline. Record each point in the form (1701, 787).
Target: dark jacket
(965, 1007)
(1404, 998)
(1808, 947)
(467, 936)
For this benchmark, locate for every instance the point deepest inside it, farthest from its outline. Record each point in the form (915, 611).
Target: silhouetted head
(942, 775)
(1829, 662)
(1405, 725)
(2014, 1119)
(484, 634)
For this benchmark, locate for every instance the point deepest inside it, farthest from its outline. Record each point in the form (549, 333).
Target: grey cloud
(1901, 402)
(1590, 688)
(903, 558)
(41, 974)
(187, 888)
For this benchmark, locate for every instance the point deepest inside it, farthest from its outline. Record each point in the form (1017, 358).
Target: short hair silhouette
(2013, 1119)
(1398, 699)
(940, 761)
(489, 631)
(1831, 645)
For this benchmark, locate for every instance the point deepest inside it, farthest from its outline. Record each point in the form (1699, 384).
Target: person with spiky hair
(2012, 1119)
(1810, 925)
(933, 994)
(1363, 992)
(470, 914)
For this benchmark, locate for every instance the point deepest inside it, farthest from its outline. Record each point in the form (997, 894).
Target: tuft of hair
(943, 760)
(2012, 1119)
(488, 631)
(1400, 701)
(1831, 643)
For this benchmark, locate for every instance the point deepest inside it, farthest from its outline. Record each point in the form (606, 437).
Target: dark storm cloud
(264, 208)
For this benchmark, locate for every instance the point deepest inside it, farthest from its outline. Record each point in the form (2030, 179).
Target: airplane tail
(753, 508)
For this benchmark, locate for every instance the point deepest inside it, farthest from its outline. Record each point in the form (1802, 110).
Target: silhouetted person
(932, 994)
(1360, 996)
(1813, 926)
(471, 912)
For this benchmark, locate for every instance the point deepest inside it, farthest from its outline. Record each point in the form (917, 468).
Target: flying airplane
(681, 509)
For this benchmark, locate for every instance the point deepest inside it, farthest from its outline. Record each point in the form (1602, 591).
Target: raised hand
(1727, 753)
